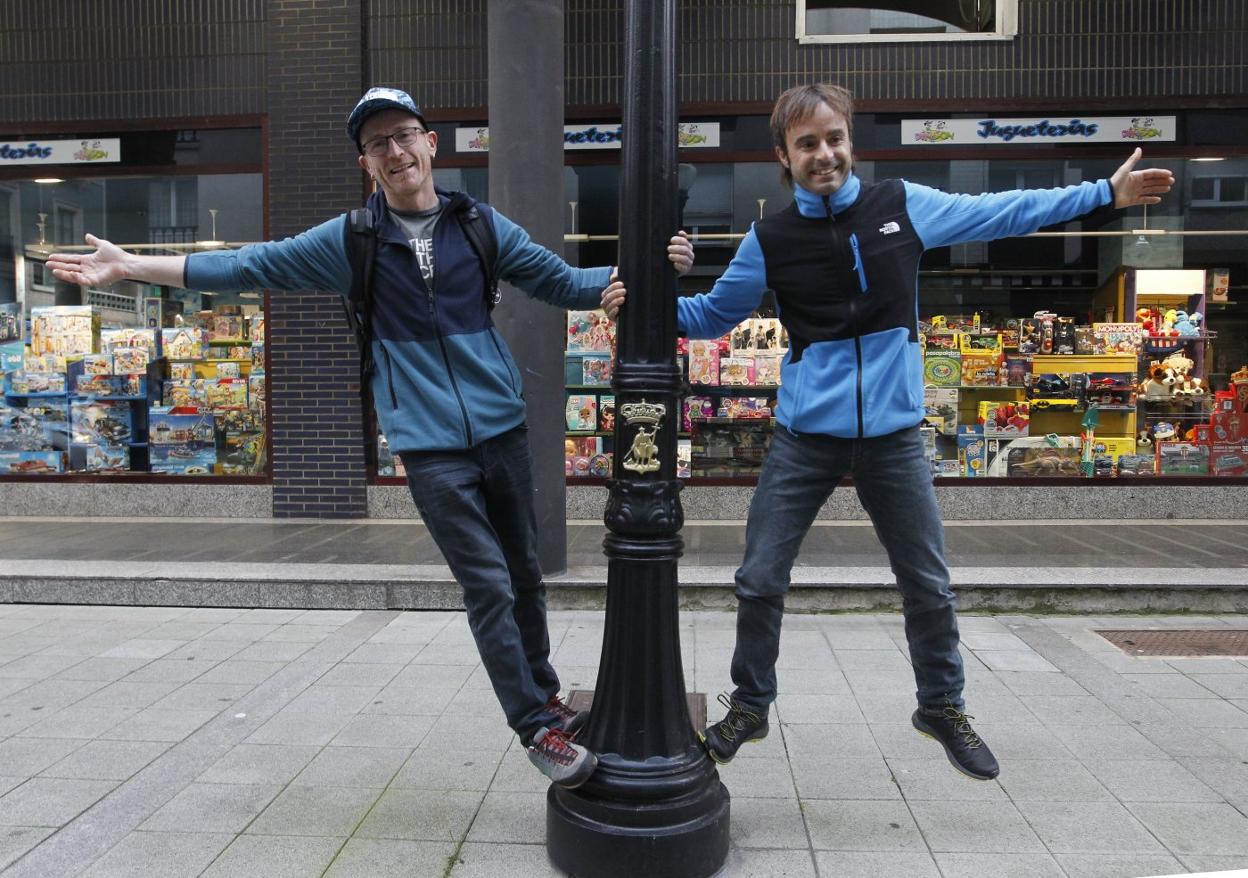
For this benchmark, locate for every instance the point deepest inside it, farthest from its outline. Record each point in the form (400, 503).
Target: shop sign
(59, 152)
(692, 135)
(1041, 129)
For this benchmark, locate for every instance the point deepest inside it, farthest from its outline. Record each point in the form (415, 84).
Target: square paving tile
(207, 807)
(975, 827)
(998, 865)
(1117, 865)
(1051, 780)
(167, 854)
(275, 856)
(1194, 828)
(50, 801)
(421, 815)
(353, 766)
(329, 811)
(260, 764)
(106, 760)
(372, 857)
(434, 769)
(506, 817)
(767, 823)
(848, 825)
(876, 864)
(1088, 828)
(16, 841)
(1151, 780)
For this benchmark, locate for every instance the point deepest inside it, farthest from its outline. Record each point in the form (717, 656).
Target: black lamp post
(655, 807)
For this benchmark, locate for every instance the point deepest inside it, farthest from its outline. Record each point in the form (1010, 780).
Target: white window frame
(1006, 17)
(1217, 191)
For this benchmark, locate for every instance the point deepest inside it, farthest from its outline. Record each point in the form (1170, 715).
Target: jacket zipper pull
(827, 206)
(858, 266)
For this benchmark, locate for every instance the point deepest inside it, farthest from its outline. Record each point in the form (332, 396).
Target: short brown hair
(798, 103)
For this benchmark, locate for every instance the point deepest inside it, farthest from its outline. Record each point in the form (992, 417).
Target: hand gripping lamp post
(655, 807)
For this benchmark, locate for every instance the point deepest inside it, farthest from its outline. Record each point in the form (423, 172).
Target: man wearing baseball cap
(446, 390)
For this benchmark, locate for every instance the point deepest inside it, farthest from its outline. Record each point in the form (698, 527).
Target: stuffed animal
(1153, 387)
(1167, 323)
(1163, 430)
(1144, 316)
(1144, 441)
(1183, 324)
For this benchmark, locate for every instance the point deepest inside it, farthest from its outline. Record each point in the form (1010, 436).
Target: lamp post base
(685, 837)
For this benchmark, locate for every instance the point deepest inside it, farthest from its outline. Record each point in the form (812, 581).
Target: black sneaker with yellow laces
(965, 749)
(740, 726)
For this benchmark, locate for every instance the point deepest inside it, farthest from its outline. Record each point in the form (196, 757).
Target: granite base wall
(1137, 501)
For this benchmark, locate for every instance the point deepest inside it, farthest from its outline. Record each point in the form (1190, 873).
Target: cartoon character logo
(934, 131)
(1142, 128)
(687, 135)
(90, 152)
(481, 141)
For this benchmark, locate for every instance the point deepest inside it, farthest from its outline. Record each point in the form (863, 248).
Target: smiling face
(818, 151)
(405, 173)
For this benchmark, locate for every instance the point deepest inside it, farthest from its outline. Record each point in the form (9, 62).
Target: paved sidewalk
(224, 742)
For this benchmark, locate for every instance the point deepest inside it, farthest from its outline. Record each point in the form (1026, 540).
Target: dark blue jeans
(894, 484)
(478, 506)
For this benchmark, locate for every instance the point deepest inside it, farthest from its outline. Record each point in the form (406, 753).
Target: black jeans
(478, 506)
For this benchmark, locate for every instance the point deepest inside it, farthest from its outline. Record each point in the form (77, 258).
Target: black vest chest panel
(810, 265)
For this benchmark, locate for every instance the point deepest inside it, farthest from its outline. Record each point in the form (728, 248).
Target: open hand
(1133, 187)
(105, 266)
(614, 295)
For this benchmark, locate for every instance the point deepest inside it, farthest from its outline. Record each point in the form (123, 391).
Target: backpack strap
(361, 242)
(480, 234)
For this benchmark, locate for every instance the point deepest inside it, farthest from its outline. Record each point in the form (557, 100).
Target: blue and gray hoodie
(845, 272)
(444, 379)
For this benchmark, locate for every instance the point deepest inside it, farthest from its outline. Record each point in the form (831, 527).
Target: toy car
(1063, 404)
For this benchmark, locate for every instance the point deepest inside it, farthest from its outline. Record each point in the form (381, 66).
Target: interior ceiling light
(48, 180)
(1209, 158)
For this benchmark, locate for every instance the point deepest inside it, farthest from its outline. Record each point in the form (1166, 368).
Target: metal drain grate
(1182, 642)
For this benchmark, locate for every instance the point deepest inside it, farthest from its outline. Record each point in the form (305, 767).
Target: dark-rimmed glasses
(379, 146)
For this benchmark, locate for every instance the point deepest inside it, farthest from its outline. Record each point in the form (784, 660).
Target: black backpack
(361, 243)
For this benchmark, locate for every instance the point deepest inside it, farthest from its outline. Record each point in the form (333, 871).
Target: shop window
(856, 21)
(1219, 192)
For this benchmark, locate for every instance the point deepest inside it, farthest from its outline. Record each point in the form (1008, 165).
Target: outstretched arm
(109, 264)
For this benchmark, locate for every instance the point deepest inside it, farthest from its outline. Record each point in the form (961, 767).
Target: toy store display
(84, 398)
(732, 379)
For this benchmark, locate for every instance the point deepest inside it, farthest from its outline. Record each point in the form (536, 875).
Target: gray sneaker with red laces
(565, 763)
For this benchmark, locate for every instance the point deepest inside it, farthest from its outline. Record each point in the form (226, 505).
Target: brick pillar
(315, 76)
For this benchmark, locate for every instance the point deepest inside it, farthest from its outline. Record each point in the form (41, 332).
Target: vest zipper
(385, 355)
(858, 265)
(446, 359)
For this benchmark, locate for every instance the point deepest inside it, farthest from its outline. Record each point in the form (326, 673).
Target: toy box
(1017, 368)
(741, 339)
(255, 328)
(1085, 341)
(184, 394)
(684, 455)
(388, 463)
(769, 335)
(984, 344)
(1137, 465)
(581, 411)
(972, 451)
(130, 361)
(1182, 459)
(183, 343)
(188, 459)
(113, 339)
(226, 327)
(257, 392)
(173, 426)
(102, 458)
(606, 412)
(736, 371)
(940, 406)
(257, 357)
(31, 462)
(35, 427)
(743, 407)
(703, 361)
(221, 393)
(695, 407)
(981, 369)
(767, 369)
(1228, 458)
(27, 383)
(590, 331)
(11, 354)
(942, 368)
(64, 330)
(100, 422)
(97, 364)
(1117, 338)
(573, 368)
(10, 321)
(732, 449)
(1113, 446)
(1045, 459)
(110, 385)
(595, 369)
(1003, 418)
(229, 370)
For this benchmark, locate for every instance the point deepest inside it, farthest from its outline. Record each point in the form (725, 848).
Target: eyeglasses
(379, 146)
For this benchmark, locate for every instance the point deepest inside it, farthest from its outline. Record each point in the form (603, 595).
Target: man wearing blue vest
(843, 261)
(445, 387)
